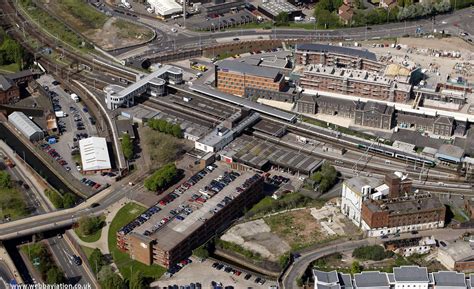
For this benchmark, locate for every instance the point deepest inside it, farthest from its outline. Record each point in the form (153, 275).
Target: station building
(26, 126)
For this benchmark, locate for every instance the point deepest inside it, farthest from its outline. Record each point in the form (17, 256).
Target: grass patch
(87, 251)
(92, 237)
(12, 204)
(52, 25)
(130, 30)
(162, 148)
(123, 261)
(238, 249)
(10, 68)
(298, 228)
(87, 15)
(289, 201)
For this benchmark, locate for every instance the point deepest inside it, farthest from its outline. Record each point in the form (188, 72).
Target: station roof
(94, 154)
(24, 124)
(245, 68)
(244, 102)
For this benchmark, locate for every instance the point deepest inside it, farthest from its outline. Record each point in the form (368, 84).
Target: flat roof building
(271, 9)
(94, 155)
(457, 256)
(234, 76)
(450, 153)
(165, 8)
(354, 82)
(26, 126)
(166, 236)
(338, 56)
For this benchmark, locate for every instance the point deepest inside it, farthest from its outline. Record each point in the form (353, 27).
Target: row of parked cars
(139, 220)
(190, 286)
(277, 180)
(55, 155)
(91, 183)
(229, 269)
(177, 267)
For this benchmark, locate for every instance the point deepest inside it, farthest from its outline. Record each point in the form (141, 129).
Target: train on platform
(394, 154)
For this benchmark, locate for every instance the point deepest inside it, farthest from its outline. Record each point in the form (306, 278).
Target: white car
(174, 30)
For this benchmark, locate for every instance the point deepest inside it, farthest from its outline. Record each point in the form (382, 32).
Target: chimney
(397, 186)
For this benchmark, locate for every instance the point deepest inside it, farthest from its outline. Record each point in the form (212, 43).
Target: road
(299, 265)
(453, 23)
(5, 276)
(63, 254)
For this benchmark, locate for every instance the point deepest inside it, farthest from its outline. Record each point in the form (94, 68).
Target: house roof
(410, 274)
(5, 83)
(371, 280)
(326, 277)
(449, 279)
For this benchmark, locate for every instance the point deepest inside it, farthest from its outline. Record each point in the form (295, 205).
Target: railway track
(93, 63)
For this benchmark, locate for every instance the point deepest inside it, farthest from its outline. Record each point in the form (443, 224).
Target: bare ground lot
(106, 32)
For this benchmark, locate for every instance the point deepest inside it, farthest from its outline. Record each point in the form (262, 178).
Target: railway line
(93, 63)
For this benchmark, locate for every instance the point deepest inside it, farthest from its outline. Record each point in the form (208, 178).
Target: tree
(282, 18)
(176, 131)
(69, 200)
(89, 225)
(55, 276)
(201, 252)
(108, 279)
(127, 146)
(161, 178)
(137, 281)
(374, 253)
(356, 267)
(97, 260)
(5, 180)
(326, 19)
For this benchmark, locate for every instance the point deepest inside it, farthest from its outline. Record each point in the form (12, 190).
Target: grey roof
(471, 280)
(449, 278)
(307, 98)
(332, 286)
(356, 183)
(371, 280)
(24, 124)
(381, 108)
(411, 274)
(444, 120)
(326, 277)
(451, 150)
(20, 74)
(249, 69)
(391, 277)
(337, 49)
(345, 280)
(5, 83)
(244, 102)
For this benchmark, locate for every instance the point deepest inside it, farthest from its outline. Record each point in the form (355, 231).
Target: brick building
(234, 76)
(435, 124)
(10, 85)
(354, 82)
(381, 217)
(341, 57)
(165, 240)
(373, 114)
(326, 105)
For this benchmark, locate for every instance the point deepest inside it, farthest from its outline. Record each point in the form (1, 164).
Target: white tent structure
(94, 155)
(165, 7)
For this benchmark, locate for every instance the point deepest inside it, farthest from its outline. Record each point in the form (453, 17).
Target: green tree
(89, 225)
(161, 178)
(97, 260)
(108, 279)
(201, 252)
(55, 276)
(5, 180)
(55, 198)
(127, 146)
(137, 281)
(356, 267)
(325, 19)
(282, 19)
(69, 200)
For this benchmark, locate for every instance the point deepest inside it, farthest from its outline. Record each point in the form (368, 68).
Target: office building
(337, 56)
(360, 83)
(234, 76)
